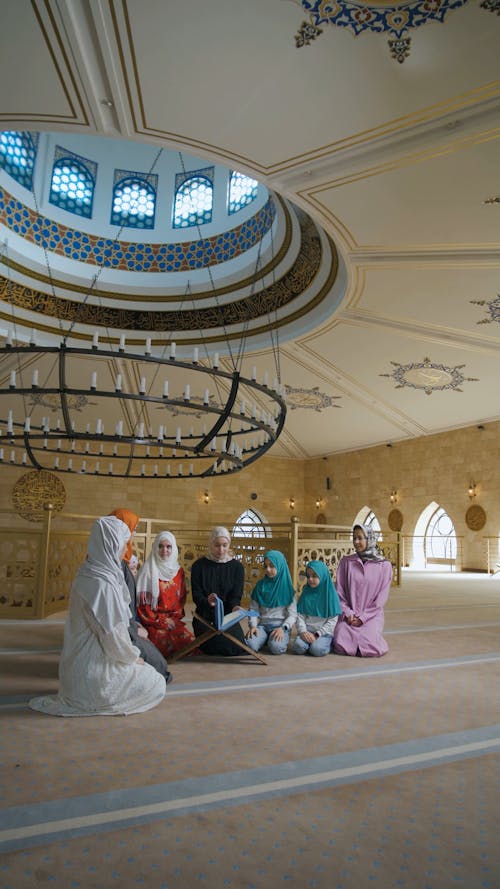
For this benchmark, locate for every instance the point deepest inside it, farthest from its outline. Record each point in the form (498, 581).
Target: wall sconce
(472, 491)
(393, 497)
(318, 502)
(206, 497)
(291, 503)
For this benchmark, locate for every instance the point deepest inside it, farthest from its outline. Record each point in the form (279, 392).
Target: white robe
(98, 671)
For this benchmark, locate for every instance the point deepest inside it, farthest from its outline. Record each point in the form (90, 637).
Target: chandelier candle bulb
(122, 343)
(142, 387)
(172, 351)
(213, 444)
(179, 471)
(56, 463)
(178, 435)
(101, 450)
(93, 380)
(168, 469)
(148, 346)
(12, 382)
(110, 469)
(45, 443)
(32, 338)
(165, 389)
(254, 374)
(141, 430)
(187, 392)
(72, 447)
(70, 465)
(25, 458)
(243, 406)
(206, 397)
(143, 469)
(119, 428)
(34, 381)
(190, 469)
(12, 457)
(1, 454)
(156, 469)
(118, 384)
(115, 450)
(98, 428)
(10, 425)
(27, 424)
(216, 360)
(97, 467)
(87, 447)
(9, 338)
(84, 465)
(95, 341)
(161, 432)
(265, 380)
(58, 426)
(148, 451)
(195, 355)
(58, 444)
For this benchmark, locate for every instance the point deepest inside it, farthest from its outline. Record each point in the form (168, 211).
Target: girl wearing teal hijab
(273, 598)
(318, 611)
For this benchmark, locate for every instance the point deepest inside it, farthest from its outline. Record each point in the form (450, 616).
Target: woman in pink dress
(161, 596)
(363, 581)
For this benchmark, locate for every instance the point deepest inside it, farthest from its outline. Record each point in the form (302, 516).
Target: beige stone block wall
(272, 479)
(430, 468)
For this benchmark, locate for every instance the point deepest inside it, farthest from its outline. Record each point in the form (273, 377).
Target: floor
(333, 773)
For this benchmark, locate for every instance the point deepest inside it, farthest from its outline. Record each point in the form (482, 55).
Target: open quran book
(224, 621)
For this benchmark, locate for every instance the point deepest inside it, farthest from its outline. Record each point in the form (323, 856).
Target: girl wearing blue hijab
(318, 611)
(273, 598)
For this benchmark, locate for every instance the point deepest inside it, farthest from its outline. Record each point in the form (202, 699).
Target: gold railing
(38, 562)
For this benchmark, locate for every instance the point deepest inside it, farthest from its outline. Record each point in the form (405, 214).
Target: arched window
(18, 154)
(193, 201)
(366, 516)
(242, 191)
(440, 540)
(134, 201)
(73, 183)
(250, 524)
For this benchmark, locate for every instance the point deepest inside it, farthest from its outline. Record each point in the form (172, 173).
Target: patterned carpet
(335, 773)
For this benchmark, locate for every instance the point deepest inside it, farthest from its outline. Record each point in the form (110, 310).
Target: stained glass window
(73, 183)
(193, 201)
(18, 154)
(250, 524)
(134, 201)
(242, 191)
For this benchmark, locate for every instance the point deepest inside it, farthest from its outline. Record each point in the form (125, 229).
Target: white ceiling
(394, 161)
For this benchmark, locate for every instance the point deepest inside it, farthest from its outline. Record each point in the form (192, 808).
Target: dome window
(134, 200)
(193, 199)
(18, 154)
(242, 191)
(73, 183)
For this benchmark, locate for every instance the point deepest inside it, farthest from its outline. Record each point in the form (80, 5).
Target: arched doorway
(435, 540)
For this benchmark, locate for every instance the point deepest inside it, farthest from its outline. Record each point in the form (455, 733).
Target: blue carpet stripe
(44, 822)
(371, 669)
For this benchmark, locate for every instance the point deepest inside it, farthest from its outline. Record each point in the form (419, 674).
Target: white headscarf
(219, 531)
(100, 581)
(156, 569)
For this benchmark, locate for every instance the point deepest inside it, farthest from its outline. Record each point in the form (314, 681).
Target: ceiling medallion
(395, 20)
(493, 309)
(309, 399)
(428, 376)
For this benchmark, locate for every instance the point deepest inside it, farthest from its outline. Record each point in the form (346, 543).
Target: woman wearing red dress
(161, 596)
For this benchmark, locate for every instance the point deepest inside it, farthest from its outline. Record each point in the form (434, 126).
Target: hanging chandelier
(139, 416)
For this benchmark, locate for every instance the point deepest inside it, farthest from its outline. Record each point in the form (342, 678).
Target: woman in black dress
(218, 573)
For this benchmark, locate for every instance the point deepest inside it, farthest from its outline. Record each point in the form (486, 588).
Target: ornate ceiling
(381, 268)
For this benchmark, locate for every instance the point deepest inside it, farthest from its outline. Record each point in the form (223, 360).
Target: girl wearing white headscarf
(101, 672)
(217, 573)
(161, 596)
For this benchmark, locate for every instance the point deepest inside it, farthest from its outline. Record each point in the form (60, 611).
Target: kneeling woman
(363, 581)
(161, 596)
(101, 672)
(273, 597)
(318, 610)
(217, 574)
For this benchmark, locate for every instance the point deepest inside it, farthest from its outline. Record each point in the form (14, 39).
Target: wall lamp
(472, 490)
(318, 502)
(291, 503)
(206, 497)
(393, 496)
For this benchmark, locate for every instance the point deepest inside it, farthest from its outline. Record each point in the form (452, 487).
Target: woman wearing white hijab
(101, 672)
(161, 596)
(217, 573)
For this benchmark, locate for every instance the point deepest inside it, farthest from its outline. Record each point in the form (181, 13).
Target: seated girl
(273, 597)
(318, 609)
